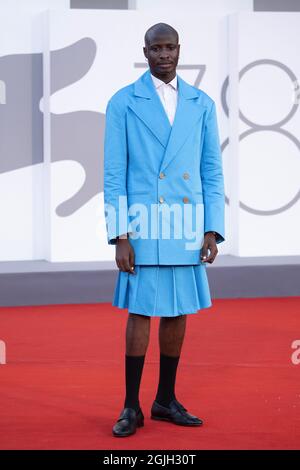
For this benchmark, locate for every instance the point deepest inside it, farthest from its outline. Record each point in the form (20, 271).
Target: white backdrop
(266, 160)
(43, 211)
(119, 60)
(22, 232)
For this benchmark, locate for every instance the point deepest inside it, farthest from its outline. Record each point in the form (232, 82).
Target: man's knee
(178, 318)
(138, 316)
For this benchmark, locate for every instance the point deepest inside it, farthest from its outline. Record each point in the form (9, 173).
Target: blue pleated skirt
(163, 291)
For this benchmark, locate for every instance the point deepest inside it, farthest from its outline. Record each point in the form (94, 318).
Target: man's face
(162, 53)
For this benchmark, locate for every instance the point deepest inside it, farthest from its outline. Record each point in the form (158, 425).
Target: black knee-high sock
(133, 374)
(167, 376)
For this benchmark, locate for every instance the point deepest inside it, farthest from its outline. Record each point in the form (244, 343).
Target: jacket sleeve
(115, 173)
(212, 178)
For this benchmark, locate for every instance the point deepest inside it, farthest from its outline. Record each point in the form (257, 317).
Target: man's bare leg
(137, 334)
(171, 334)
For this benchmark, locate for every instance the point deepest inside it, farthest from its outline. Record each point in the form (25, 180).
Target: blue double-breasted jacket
(163, 184)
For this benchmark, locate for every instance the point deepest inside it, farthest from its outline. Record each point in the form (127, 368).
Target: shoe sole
(158, 418)
(139, 425)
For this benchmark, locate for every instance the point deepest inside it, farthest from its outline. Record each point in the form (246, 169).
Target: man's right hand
(125, 255)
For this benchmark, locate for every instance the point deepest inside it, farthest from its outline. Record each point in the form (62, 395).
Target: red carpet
(62, 386)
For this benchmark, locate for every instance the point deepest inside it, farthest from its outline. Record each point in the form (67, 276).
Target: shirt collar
(157, 82)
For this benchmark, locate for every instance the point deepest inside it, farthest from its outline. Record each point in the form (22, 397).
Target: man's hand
(211, 245)
(125, 255)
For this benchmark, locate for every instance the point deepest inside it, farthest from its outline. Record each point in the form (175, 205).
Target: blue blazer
(163, 183)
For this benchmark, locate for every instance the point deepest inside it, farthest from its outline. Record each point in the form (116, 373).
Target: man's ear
(145, 51)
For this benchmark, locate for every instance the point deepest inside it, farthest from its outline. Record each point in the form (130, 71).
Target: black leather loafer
(128, 421)
(175, 413)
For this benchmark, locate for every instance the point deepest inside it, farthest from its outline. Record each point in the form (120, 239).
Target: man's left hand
(211, 245)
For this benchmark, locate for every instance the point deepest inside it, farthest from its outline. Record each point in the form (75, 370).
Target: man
(161, 153)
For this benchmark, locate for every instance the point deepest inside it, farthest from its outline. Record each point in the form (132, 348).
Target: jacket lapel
(188, 114)
(148, 107)
(151, 111)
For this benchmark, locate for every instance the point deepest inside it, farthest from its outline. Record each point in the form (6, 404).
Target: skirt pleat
(163, 291)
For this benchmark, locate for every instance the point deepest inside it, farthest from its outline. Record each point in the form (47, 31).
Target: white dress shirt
(168, 95)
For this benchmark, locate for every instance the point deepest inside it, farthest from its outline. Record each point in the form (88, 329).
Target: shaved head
(160, 29)
(162, 50)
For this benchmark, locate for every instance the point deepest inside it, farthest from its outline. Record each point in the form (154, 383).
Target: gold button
(185, 199)
(186, 176)
(161, 199)
(161, 175)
